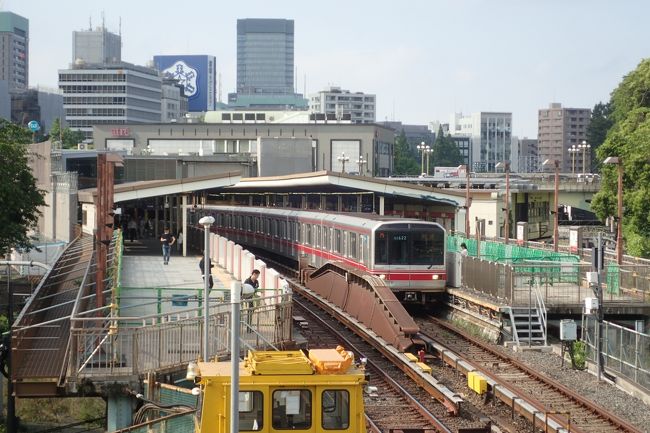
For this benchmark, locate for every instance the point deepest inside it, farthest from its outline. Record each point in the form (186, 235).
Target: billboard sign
(197, 75)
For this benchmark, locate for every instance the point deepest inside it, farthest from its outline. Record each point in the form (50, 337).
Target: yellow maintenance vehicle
(315, 391)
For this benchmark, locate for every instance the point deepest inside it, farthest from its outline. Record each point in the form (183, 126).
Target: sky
(423, 59)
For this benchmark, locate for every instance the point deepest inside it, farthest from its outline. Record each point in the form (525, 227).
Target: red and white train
(409, 254)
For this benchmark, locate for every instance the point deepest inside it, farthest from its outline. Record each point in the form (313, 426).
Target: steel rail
(426, 414)
(612, 419)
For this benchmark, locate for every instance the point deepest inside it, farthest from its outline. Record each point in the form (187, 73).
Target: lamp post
(573, 150)
(428, 152)
(361, 162)
(584, 146)
(422, 147)
(206, 222)
(468, 199)
(619, 225)
(343, 159)
(556, 229)
(506, 223)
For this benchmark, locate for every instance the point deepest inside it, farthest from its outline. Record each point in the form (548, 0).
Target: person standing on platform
(167, 239)
(463, 250)
(133, 229)
(251, 284)
(202, 266)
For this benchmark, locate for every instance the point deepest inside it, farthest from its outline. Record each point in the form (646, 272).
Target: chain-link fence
(625, 352)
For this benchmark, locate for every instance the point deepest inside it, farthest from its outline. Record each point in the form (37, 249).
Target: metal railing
(625, 352)
(557, 282)
(114, 346)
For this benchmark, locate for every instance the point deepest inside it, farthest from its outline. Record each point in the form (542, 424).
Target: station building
(164, 151)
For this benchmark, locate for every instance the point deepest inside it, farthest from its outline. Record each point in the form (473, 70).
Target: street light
(428, 152)
(422, 147)
(584, 146)
(619, 226)
(573, 150)
(361, 162)
(206, 222)
(556, 229)
(468, 200)
(506, 224)
(343, 159)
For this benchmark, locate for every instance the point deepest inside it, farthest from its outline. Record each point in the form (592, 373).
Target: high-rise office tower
(265, 56)
(265, 64)
(14, 50)
(97, 46)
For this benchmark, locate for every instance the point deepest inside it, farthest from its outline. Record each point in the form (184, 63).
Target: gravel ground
(608, 396)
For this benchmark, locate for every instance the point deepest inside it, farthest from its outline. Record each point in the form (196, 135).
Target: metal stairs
(528, 325)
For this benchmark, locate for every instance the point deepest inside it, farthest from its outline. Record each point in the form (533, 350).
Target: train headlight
(382, 276)
(435, 276)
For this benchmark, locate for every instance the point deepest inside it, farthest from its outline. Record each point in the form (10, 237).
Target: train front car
(410, 257)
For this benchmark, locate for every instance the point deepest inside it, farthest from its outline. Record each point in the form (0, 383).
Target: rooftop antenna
(103, 21)
(90, 23)
(120, 28)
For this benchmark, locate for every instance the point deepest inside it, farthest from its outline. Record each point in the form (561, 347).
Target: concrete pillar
(285, 201)
(303, 202)
(120, 411)
(359, 200)
(184, 227)
(323, 202)
(178, 215)
(250, 200)
(339, 203)
(381, 204)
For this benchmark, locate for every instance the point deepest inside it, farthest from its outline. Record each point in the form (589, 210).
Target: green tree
(601, 122)
(67, 137)
(629, 139)
(403, 161)
(19, 195)
(445, 153)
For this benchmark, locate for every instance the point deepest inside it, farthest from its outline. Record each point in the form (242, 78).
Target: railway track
(398, 402)
(554, 406)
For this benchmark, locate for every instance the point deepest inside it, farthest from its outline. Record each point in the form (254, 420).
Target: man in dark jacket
(210, 266)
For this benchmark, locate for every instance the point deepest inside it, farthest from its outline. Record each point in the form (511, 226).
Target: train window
(267, 226)
(298, 232)
(335, 409)
(308, 239)
(228, 220)
(428, 247)
(291, 409)
(274, 228)
(316, 235)
(353, 245)
(398, 248)
(337, 240)
(381, 248)
(363, 249)
(250, 223)
(251, 410)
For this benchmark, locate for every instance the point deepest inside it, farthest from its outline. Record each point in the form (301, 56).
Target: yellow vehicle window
(335, 409)
(291, 409)
(251, 410)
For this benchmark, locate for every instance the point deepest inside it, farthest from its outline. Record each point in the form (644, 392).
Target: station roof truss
(156, 188)
(330, 182)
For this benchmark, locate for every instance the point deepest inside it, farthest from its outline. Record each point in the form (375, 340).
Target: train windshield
(412, 245)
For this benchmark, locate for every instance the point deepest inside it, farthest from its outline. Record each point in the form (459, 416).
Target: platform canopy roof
(157, 188)
(327, 181)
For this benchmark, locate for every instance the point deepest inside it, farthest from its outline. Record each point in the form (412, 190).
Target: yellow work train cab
(313, 391)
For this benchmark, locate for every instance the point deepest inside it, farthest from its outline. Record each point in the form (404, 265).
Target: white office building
(358, 107)
(490, 136)
(109, 94)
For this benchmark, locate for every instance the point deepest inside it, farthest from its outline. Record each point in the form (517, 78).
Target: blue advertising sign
(197, 74)
(34, 126)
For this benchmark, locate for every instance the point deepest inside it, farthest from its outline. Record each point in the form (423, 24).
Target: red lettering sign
(120, 132)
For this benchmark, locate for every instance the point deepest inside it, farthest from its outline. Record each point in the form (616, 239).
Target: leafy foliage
(629, 139)
(601, 122)
(67, 137)
(404, 163)
(445, 152)
(19, 195)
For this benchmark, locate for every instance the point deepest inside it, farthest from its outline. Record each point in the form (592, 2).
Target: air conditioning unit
(81, 146)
